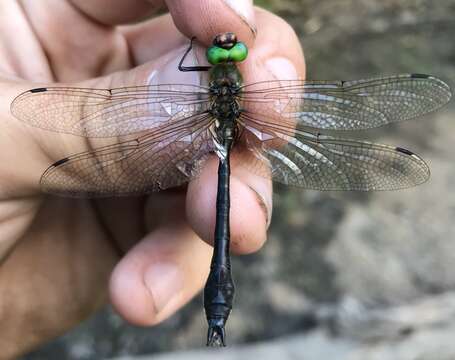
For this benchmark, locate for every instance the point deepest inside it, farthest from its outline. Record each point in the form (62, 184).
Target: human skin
(64, 258)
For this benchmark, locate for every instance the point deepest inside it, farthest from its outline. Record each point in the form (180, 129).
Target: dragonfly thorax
(225, 74)
(225, 83)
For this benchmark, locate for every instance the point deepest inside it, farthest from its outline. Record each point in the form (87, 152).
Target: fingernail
(165, 282)
(244, 9)
(281, 68)
(266, 206)
(167, 71)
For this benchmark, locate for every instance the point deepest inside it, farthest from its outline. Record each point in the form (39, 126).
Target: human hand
(58, 254)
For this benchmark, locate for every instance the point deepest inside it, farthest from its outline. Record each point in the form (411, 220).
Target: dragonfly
(165, 133)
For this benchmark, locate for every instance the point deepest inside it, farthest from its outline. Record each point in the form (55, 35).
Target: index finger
(206, 18)
(200, 18)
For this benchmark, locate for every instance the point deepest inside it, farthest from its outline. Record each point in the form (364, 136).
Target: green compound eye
(216, 55)
(238, 52)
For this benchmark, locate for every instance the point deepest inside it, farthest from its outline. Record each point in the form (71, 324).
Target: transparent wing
(108, 112)
(319, 162)
(164, 158)
(345, 105)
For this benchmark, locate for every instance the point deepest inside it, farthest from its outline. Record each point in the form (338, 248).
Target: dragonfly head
(225, 49)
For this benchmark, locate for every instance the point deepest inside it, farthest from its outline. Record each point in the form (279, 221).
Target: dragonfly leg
(219, 289)
(191, 68)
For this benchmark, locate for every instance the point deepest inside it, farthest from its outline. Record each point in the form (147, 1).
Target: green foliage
(278, 5)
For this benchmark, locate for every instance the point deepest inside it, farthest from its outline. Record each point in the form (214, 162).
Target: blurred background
(346, 276)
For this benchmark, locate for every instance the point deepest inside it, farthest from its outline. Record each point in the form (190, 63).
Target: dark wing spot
(60, 162)
(37, 90)
(404, 151)
(420, 76)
